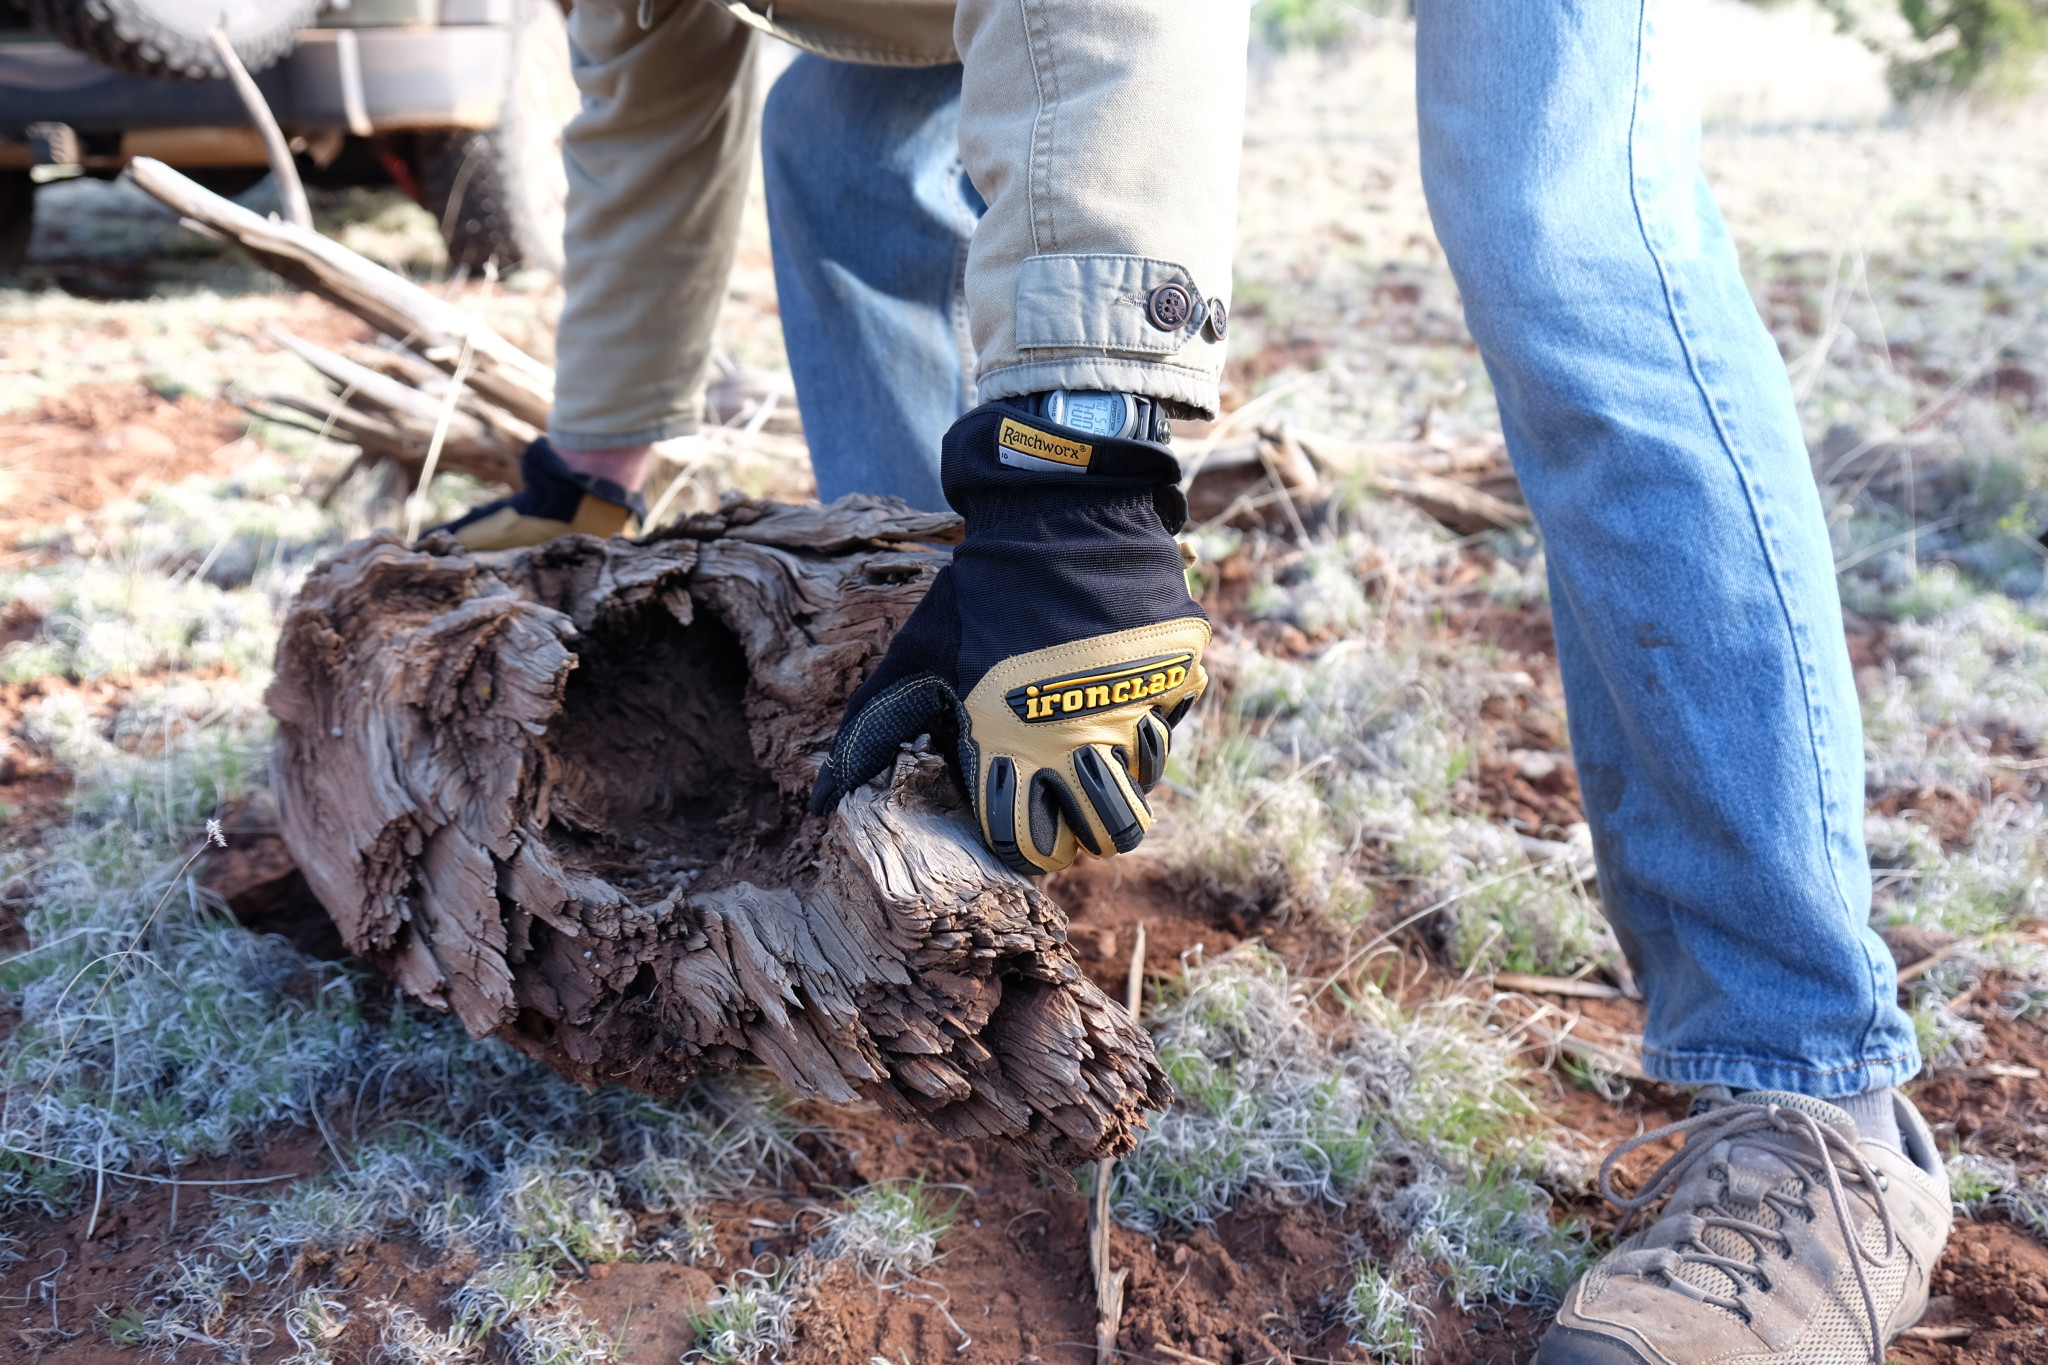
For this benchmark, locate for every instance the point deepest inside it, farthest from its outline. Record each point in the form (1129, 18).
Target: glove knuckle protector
(1069, 739)
(1061, 640)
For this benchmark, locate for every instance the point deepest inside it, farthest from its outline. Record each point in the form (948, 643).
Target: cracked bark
(560, 792)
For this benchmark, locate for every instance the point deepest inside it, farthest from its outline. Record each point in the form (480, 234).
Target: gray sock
(1875, 1120)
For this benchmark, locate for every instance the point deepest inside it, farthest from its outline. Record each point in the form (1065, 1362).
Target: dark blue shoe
(557, 501)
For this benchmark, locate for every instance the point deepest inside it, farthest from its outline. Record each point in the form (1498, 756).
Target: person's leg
(870, 215)
(1713, 715)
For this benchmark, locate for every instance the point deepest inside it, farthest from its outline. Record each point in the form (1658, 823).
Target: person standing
(1713, 715)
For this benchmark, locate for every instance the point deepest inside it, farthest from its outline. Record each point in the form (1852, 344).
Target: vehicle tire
(17, 218)
(499, 194)
(169, 37)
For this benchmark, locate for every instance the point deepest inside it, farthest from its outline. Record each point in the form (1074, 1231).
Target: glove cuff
(1002, 463)
(553, 491)
(998, 446)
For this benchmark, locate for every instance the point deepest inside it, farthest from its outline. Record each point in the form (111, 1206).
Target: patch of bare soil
(98, 443)
(1998, 1106)
(96, 1262)
(32, 785)
(1991, 1296)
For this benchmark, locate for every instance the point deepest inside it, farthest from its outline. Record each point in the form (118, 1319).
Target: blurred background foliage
(1986, 48)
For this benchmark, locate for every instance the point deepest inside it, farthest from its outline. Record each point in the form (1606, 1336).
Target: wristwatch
(1121, 416)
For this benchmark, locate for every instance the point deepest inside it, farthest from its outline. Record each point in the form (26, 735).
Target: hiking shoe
(1785, 1240)
(557, 501)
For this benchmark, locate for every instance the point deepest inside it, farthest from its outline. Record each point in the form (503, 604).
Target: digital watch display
(1127, 416)
(1097, 413)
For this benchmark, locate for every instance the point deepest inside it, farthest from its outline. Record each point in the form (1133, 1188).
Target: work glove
(1059, 648)
(557, 501)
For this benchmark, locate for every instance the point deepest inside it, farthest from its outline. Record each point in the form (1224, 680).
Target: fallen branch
(1109, 1283)
(290, 190)
(386, 300)
(398, 421)
(1577, 987)
(1468, 487)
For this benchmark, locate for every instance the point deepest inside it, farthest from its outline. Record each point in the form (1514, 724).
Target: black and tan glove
(557, 501)
(1060, 647)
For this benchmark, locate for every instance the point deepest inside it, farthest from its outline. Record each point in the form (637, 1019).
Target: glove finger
(1119, 814)
(1155, 743)
(1030, 824)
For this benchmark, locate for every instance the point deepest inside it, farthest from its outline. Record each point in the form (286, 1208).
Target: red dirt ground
(96, 443)
(1263, 1285)
(100, 442)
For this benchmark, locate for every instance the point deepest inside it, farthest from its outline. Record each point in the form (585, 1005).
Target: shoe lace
(1824, 1153)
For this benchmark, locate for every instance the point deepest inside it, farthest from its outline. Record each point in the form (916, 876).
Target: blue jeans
(870, 215)
(1713, 716)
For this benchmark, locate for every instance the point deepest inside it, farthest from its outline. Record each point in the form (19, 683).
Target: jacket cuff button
(1169, 307)
(1217, 324)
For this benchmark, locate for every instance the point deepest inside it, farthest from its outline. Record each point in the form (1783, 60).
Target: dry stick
(392, 304)
(1556, 985)
(1109, 1285)
(416, 506)
(1914, 971)
(296, 210)
(137, 1175)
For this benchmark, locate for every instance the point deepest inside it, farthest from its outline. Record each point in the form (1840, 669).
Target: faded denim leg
(870, 215)
(1713, 714)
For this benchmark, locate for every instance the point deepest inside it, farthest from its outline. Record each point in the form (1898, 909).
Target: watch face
(1098, 414)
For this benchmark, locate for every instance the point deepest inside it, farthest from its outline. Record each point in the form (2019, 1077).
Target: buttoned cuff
(1133, 305)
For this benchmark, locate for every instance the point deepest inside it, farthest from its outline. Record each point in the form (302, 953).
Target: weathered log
(560, 792)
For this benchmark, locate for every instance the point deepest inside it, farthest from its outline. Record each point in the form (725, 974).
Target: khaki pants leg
(658, 162)
(1104, 135)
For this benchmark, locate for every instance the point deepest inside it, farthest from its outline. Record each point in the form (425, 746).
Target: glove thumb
(909, 691)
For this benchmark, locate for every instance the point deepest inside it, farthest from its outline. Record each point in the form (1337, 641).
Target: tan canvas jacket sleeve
(1103, 134)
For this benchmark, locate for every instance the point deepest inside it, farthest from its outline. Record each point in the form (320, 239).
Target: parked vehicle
(459, 103)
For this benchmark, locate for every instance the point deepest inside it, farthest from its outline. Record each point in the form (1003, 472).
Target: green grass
(748, 1322)
(1491, 1230)
(313, 1323)
(1317, 780)
(1279, 1107)
(1384, 1319)
(889, 1231)
(551, 1198)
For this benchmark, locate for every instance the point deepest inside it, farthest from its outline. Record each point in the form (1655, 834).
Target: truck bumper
(402, 79)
